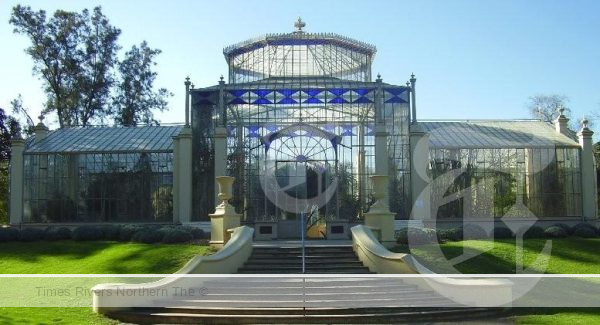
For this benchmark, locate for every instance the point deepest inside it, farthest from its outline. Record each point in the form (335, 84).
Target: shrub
(197, 233)
(9, 234)
(57, 233)
(532, 232)
(473, 231)
(126, 232)
(176, 236)
(31, 234)
(110, 232)
(431, 235)
(503, 233)
(148, 236)
(556, 232)
(584, 230)
(402, 236)
(416, 236)
(565, 227)
(453, 234)
(84, 233)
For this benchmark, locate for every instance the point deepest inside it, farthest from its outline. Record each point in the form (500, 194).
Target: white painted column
(588, 173)
(381, 134)
(419, 181)
(16, 181)
(561, 124)
(220, 156)
(184, 175)
(176, 169)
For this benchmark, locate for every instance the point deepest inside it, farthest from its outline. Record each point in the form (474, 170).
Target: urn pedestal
(379, 218)
(225, 217)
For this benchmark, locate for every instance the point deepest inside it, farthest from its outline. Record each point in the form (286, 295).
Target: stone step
(362, 271)
(295, 310)
(331, 250)
(154, 316)
(325, 257)
(345, 261)
(330, 266)
(333, 298)
(309, 283)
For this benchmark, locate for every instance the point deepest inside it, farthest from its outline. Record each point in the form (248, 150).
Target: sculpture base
(221, 222)
(382, 225)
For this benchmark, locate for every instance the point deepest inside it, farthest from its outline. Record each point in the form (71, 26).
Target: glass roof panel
(107, 139)
(494, 134)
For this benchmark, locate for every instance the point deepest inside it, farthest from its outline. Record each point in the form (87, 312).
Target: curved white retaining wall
(486, 292)
(228, 260)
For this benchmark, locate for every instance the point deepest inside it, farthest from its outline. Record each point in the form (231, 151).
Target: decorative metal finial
(41, 117)
(561, 110)
(408, 84)
(585, 122)
(221, 78)
(192, 85)
(299, 25)
(412, 77)
(187, 81)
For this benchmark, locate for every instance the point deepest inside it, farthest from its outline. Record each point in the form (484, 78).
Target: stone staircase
(346, 299)
(319, 260)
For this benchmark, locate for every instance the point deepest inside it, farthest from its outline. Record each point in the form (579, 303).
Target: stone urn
(380, 189)
(225, 218)
(225, 188)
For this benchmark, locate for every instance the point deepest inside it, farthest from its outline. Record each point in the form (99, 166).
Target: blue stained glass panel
(262, 101)
(313, 92)
(262, 92)
(362, 91)
(362, 100)
(287, 100)
(338, 91)
(313, 100)
(395, 99)
(338, 100)
(287, 92)
(238, 93)
(395, 91)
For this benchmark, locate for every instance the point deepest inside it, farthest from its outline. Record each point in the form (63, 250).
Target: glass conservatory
(503, 163)
(302, 126)
(100, 175)
(300, 112)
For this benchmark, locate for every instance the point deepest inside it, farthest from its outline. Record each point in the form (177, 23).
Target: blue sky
(472, 59)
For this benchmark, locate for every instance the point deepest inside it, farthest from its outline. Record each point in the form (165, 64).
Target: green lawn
(98, 257)
(67, 315)
(568, 256)
(101, 257)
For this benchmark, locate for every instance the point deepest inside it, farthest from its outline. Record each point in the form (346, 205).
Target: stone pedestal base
(382, 225)
(221, 221)
(265, 230)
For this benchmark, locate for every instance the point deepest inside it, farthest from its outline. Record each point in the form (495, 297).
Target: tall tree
(9, 129)
(20, 112)
(545, 107)
(73, 53)
(135, 97)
